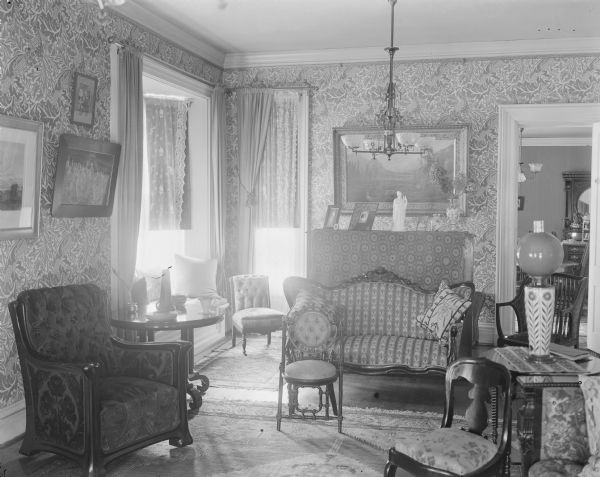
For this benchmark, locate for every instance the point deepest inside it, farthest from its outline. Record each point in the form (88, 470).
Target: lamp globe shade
(539, 253)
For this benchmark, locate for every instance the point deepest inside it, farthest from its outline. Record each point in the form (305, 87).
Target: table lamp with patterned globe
(539, 254)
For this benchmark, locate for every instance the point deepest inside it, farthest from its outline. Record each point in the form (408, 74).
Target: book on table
(567, 352)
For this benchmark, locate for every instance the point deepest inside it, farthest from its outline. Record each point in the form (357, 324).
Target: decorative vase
(453, 212)
(539, 254)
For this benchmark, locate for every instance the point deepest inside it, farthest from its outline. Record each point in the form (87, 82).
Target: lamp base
(540, 358)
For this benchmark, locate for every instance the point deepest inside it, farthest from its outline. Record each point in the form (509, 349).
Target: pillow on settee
(193, 277)
(446, 308)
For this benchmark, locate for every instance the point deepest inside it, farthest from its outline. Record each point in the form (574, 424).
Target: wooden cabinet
(573, 251)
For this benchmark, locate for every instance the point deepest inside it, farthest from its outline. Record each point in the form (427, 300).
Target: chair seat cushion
(133, 409)
(394, 350)
(449, 449)
(257, 320)
(555, 468)
(310, 371)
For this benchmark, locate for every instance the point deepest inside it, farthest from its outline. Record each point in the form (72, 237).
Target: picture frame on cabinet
(331, 217)
(86, 175)
(83, 101)
(21, 149)
(363, 216)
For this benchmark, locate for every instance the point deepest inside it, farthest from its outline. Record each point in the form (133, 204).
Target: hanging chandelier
(388, 119)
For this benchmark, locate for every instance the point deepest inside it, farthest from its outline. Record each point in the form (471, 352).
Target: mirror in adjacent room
(583, 202)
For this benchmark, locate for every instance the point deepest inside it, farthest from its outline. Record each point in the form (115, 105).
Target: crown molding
(556, 141)
(495, 49)
(147, 20)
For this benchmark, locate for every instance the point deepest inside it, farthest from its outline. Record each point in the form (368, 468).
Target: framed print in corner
(332, 217)
(363, 216)
(86, 175)
(20, 175)
(83, 101)
(358, 177)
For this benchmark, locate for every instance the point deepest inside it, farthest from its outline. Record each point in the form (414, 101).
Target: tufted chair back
(65, 324)
(250, 291)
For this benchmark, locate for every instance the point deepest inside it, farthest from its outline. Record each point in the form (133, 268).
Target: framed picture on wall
(20, 175)
(83, 101)
(332, 217)
(86, 175)
(363, 216)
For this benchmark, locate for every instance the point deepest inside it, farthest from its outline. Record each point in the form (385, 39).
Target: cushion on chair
(193, 277)
(555, 468)
(590, 386)
(133, 409)
(447, 307)
(257, 320)
(310, 371)
(449, 449)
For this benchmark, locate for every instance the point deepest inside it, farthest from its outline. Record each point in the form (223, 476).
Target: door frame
(511, 118)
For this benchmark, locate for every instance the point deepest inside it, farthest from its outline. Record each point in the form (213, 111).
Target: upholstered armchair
(90, 396)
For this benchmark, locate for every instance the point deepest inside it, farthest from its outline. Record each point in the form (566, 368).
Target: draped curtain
(166, 153)
(128, 194)
(254, 117)
(217, 185)
(277, 185)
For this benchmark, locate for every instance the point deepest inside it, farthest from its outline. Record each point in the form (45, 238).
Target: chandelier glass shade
(389, 119)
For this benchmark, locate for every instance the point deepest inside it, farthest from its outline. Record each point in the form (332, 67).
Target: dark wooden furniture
(81, 383)
(531, 378)
(186, 322)
(576, 182)
(452, 451)
(570, 298)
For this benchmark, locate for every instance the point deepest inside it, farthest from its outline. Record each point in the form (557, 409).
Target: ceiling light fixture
(388, 119)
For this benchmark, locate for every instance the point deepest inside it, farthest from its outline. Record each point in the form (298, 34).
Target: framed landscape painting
(20, 172)
(86, 175)
(360, 178)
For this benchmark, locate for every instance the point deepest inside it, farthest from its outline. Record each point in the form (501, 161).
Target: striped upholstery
(380, 308)
(376, 350)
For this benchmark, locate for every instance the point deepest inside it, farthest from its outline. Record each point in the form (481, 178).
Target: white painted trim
(557, 141)
(511, 118)
(12, 422)
(168, 74)
(149, 21)
(495, 49)
(593, 325)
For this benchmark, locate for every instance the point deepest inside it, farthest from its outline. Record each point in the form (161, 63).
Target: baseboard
(12, 422)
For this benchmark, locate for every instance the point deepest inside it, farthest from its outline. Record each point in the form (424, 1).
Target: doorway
(511, 118)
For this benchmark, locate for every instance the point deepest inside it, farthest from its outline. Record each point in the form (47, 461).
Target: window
(180, 223)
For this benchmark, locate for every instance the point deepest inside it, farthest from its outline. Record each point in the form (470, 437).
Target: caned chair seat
(310, 372)
(450, 449)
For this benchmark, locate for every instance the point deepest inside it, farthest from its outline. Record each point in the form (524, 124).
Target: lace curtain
(166, 153)
(277, 187)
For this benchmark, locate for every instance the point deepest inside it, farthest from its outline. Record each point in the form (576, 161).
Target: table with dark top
(186, 322)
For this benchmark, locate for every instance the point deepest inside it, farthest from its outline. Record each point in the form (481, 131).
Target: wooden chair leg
(244, 343)
(268, 338)
(233, 337)
(331, 393)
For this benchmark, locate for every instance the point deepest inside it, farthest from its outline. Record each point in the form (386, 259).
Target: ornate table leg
(525, 434)
(197, 391)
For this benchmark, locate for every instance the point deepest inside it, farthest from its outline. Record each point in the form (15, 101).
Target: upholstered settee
(389, 322)
(567, 440)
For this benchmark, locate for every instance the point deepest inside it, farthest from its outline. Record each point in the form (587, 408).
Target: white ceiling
(237, 33)
(248, 31)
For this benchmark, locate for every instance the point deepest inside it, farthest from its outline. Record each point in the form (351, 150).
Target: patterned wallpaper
(433, 93)
(42, 43)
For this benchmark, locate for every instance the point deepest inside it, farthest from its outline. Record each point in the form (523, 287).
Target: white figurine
(399, 212)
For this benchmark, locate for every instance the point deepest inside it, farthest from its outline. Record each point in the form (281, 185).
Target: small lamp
(539, 254)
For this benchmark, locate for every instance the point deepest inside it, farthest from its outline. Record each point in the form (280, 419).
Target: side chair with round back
(252, 312)
(466, 450)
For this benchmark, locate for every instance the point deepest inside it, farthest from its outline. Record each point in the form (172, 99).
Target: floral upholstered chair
(465, 450)
(90, 396)
(568, 442)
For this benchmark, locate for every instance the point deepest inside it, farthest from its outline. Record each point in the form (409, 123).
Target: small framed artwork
(86, 175)
(20, 172)
(332, 217)
(520, 202)
(83, 102)
(363, 216)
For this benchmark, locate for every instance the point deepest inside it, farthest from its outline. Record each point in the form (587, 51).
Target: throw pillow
(446, 308)
(590, 386)
(193, 277)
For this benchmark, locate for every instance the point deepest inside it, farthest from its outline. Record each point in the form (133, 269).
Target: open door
(593, 325)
